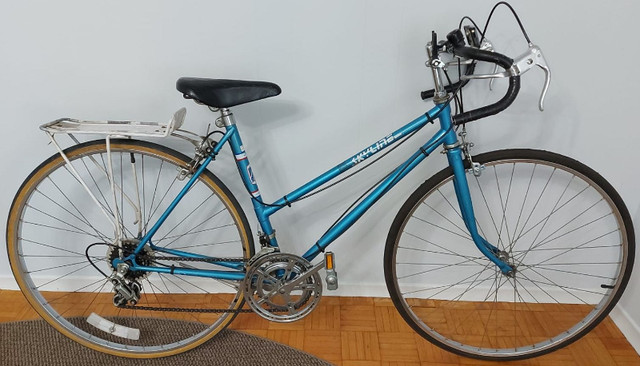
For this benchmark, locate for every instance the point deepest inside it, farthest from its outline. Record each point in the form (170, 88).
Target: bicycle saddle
(222, 93)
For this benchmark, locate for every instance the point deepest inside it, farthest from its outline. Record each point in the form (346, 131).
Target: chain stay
(191, 310)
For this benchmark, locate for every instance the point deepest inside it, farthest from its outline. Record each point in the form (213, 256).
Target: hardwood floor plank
(325, 317)
(325, 344)
(389, 320)
(430, 353)
(357, 345)
(357, 317)
(398, 346)
(591, 351)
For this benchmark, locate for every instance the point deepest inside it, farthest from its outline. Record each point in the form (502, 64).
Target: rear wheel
(559, 223)
(61, 245)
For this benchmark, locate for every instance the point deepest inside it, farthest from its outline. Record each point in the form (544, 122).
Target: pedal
(332, 275)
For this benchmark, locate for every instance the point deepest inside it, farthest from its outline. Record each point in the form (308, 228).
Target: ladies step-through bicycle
(134, 249)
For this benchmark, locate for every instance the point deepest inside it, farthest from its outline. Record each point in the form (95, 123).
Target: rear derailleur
(126, 292)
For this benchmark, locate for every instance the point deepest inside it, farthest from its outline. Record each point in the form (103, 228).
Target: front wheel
(61, 246)
(561, 225)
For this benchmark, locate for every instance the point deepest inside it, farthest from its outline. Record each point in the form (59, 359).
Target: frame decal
(379, 145)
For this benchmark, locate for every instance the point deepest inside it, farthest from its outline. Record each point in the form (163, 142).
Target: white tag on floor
(113, 328)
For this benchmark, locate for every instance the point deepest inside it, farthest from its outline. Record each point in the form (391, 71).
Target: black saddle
(221, 93)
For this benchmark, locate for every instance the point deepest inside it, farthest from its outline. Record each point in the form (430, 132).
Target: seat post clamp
(452, 146)
(227, 117)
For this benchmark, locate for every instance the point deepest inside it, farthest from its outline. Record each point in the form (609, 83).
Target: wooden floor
(354, 331)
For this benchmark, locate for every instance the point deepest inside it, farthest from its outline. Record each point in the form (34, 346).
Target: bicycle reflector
(332, 276)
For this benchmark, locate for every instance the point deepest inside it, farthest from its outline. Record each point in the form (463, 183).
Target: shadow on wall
(633, 288)
(525, 126)
(274, 113)
(266, 124)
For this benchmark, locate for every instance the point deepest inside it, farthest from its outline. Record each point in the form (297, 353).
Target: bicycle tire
(570, 270)
(53, 220)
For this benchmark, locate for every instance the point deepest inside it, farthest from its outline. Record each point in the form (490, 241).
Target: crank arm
(290, 285)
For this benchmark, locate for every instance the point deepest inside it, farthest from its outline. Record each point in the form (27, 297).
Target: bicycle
(134, 249)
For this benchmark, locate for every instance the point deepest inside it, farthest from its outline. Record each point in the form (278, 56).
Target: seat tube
(248, 178)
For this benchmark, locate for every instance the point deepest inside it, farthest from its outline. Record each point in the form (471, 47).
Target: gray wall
(350, 73)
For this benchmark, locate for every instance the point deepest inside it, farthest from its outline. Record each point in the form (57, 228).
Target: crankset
(283, 287)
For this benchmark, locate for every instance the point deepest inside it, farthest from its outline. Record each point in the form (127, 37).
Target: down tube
(384, 187)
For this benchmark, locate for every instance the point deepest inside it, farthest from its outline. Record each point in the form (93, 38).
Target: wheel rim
(523, 317)
(54, 222)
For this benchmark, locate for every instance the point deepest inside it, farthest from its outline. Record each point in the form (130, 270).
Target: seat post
(226, 118)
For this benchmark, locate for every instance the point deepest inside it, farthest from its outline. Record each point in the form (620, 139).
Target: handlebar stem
(436, 65)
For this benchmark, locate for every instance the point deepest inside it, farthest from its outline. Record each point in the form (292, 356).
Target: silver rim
(58, 220)
(560, 229)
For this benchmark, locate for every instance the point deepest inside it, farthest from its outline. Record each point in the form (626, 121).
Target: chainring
(278, 288)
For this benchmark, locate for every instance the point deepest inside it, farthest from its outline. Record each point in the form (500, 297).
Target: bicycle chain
(185, 310)
(192, 310)
(188, 259)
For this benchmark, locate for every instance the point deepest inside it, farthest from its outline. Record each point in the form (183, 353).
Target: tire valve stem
(332, 276)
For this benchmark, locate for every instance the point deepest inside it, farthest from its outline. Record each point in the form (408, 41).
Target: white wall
(350, 73)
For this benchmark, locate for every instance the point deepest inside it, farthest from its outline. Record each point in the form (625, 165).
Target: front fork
(456, 161)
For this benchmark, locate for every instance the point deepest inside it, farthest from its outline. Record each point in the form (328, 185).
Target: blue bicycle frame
(445, 136)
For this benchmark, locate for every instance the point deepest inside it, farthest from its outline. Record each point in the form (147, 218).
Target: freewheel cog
(127, 247)
(280, 287)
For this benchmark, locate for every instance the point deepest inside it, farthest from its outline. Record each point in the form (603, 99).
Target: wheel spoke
(563, 235)
(191, 229)
(80, 292)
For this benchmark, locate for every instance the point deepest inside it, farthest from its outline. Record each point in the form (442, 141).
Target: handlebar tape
(481, 55)
(495, 108)
(455, 38)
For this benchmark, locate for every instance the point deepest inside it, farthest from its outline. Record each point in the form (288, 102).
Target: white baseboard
(627, 326)
(358, 290)
(8, 283)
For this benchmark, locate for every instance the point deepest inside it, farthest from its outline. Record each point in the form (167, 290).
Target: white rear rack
(116, 128)
(111, 129)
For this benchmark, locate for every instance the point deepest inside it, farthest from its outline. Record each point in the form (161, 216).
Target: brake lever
(541, 62)
(521, 64)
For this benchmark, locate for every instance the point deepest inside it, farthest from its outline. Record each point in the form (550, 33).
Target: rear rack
(116, 128)
(110, 129)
